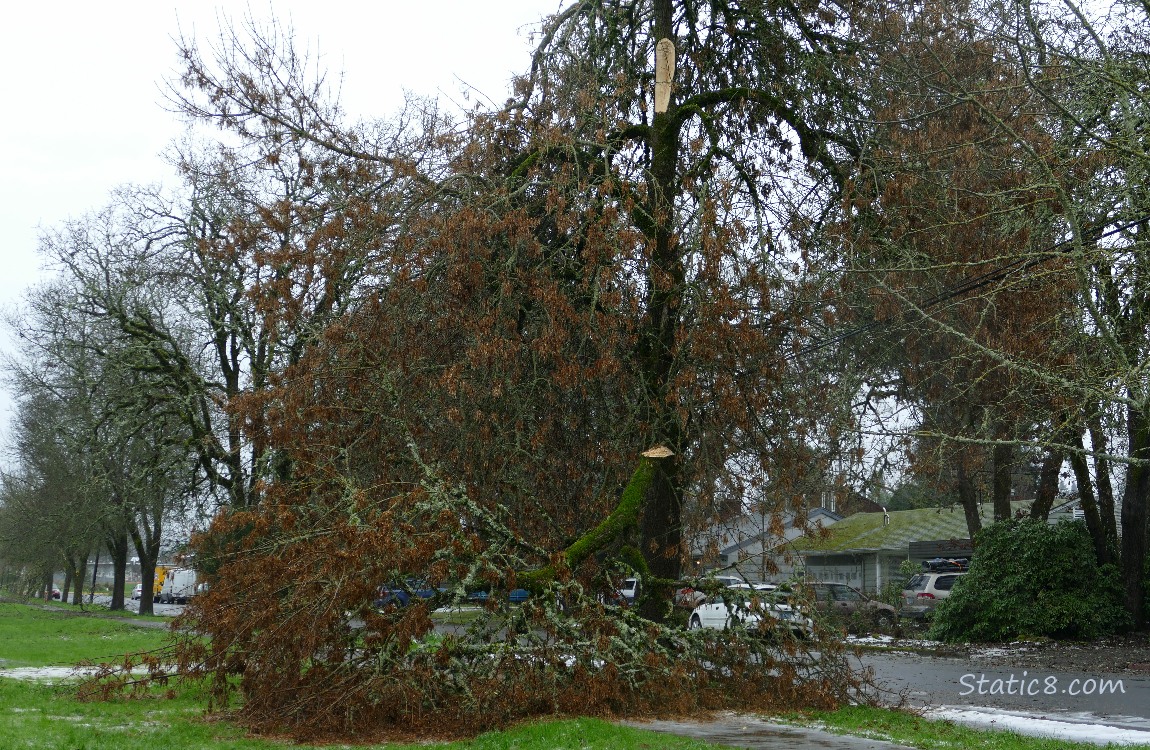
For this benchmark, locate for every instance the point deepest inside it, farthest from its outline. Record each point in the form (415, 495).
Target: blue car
(401, 596)
(387, 595)
(517, 596)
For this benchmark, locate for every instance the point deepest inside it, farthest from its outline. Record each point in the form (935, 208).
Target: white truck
(179, 586)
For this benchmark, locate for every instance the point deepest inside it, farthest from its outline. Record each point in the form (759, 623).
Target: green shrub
(1030, 578)
(892, 590)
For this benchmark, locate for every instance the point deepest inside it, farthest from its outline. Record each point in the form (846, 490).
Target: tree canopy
(708, 258)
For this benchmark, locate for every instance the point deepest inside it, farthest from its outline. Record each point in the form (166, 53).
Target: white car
(621, 594)
(925, 590)
(745, 605)
(138, 592)
(690, 597)
(629, 590)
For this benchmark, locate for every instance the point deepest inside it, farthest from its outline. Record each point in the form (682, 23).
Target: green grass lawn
(32, 636)
(37, 715)
(42, 717)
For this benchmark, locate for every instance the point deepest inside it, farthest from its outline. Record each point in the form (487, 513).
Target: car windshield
(847, 594)
(918, 583)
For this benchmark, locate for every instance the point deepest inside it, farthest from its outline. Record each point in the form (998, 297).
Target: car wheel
(884, 621)
(695, 623)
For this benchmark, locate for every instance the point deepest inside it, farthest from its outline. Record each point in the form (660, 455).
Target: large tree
(663, 264)
(946, 224)
(551, 288)
(51, 518)
(1049, 328)
(1094, 77)
(701, 182)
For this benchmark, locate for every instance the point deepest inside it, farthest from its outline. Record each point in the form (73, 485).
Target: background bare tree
(129, 461)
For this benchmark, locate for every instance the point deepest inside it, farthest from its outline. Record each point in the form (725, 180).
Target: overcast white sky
(81, 108)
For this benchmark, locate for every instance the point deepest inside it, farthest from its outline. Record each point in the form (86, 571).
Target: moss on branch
(624, 518)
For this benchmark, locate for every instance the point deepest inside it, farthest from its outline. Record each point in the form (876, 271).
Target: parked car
(847, 602)
(55, 593)
(515, 596)
(391, 595)
(138, 592)
(401, 594)
(620, 594)
(695, 592)
(926, 589)
(745, 605)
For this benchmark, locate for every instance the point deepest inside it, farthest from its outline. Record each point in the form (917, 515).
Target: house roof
(866, 532)
(749, 529)
(1064, 505)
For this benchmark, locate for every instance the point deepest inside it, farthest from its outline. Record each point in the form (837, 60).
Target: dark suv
(924, 591)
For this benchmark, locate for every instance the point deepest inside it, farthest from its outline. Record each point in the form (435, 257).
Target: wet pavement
(939, 681)
(756, 734)
(969, 690)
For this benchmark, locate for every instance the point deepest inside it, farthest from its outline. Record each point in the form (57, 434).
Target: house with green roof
(747, 545)
(866, 549)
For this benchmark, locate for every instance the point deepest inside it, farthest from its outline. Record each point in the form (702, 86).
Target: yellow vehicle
(158, 582)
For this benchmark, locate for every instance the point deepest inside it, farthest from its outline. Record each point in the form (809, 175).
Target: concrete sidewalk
(756, 734)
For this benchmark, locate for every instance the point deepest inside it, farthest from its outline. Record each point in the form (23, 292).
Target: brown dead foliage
(297, 635)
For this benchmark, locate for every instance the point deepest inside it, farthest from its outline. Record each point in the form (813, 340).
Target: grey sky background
(81, 104)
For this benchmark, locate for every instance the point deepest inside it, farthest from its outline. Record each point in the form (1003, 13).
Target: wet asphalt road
(941, 682)
(1121, 700)
(162, 610)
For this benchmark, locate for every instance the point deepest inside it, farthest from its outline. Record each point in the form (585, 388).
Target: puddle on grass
(43, 673)
(756, 734)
